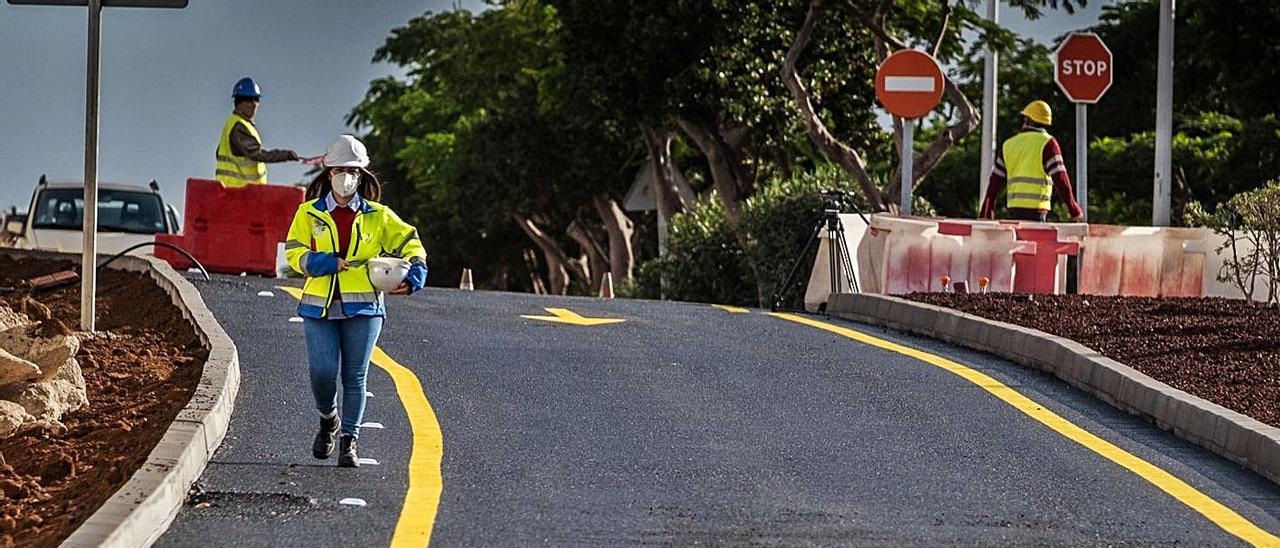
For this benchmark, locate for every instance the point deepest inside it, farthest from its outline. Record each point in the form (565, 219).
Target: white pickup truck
(127, 215)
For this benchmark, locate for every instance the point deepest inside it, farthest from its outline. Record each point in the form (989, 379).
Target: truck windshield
(118, 211)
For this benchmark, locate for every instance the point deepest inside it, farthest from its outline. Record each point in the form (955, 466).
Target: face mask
(344, 184)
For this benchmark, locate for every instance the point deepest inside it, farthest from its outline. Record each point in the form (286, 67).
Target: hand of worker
(342, 265)
(293, 156)
(1077, 217)
(413, 281)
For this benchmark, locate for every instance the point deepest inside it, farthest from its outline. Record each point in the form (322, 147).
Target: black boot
(347, 452)
(322, 447)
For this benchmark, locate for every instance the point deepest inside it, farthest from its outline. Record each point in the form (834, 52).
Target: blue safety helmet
(246, 88)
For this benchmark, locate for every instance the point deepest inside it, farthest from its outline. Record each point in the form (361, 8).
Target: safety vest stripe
(238, 175)
(237, 161)
(359, 297)
(315, 300)
(1028, 181)
(412, 236)
(295, 244)
(1016, 196)
(302, 263)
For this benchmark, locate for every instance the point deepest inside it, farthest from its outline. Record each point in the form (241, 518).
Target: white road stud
(352, 502)
(266, 294)
(368, 394)
(373, 425)
(367, 460)
(295, 319)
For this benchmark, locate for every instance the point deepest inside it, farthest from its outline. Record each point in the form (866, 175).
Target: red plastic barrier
(1039, 270)
(234, 230)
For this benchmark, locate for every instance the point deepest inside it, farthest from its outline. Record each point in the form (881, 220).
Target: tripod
(839, 262)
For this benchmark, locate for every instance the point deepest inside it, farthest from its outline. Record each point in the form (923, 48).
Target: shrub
(1250, 221)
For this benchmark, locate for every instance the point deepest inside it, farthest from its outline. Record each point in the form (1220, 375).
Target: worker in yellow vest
(241, 158)
(1030, 164)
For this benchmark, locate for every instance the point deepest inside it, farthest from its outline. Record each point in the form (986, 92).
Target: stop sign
(909, 83)
(1082, 67)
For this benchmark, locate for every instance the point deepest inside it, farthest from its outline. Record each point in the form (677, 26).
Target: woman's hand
(402, 289)
(342, 265)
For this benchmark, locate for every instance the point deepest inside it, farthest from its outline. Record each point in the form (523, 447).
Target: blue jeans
(344, 346)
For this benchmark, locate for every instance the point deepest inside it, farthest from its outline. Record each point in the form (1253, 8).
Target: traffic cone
(466, 284)
(606, 286)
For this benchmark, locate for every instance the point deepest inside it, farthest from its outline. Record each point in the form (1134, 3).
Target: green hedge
(707, 262)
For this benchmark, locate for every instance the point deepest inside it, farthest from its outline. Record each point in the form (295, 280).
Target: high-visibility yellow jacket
(312, 251)
(1029, 185)
(237, 171)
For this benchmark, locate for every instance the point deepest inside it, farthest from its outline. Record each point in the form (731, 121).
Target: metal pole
(1082, 176)
(990, 85)
(908, 129)
(1082, 158)
(88, 259)
(1164, 118)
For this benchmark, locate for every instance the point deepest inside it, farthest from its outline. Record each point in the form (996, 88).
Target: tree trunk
(723, 150)
(558, 263)
(620, 229)
(844, 156)
(658, 143)
(535, 273)
(597, 265)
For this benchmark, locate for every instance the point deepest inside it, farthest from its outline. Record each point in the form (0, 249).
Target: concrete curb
(1230, 434)
(143, 508)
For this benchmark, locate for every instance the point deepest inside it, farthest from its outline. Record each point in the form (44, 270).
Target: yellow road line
(422, 500)
(1219, 514)
(733, 309)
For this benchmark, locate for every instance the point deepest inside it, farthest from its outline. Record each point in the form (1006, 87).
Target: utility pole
(1164, 118)
(990, 87)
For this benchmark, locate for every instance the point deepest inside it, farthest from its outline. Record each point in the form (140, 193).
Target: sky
(167, 76)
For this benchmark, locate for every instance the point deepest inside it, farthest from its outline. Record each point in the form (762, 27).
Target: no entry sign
(909, 83)
(1082, 67)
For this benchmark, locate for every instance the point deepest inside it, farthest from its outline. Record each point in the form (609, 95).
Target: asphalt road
(685, 424)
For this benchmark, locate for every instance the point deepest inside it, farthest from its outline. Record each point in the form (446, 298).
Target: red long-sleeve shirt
(1052, 157)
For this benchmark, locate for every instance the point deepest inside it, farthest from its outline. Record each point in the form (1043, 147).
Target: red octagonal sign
(1082, 67)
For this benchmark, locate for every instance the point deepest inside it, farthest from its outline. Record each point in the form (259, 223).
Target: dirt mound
(1223, 350)
(140, 370)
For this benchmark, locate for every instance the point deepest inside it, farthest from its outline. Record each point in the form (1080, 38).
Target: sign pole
(908, 131)
(1164, 118)
(1082, 175)
(89, 255)
(990, 87)
(1082, 158)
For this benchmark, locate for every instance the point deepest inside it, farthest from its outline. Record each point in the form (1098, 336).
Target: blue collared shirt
(331, 202)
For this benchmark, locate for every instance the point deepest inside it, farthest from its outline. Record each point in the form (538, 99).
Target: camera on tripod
(839, 262)
(834, 200)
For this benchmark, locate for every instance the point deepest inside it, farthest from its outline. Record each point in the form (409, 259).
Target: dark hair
(245, 99)
(1026, 121)
(369, 188)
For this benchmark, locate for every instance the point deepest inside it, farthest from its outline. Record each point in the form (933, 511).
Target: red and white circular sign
(1082, 67)
(909, 83)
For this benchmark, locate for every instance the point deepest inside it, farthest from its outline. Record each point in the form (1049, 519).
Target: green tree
(490, 152)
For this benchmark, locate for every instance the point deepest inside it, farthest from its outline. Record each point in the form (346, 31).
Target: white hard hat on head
(347, 151)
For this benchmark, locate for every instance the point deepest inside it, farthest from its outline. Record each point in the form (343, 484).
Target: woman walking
(336, 231)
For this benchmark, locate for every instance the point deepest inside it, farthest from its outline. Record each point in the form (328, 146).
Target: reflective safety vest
(1029, 185)
(237, 171)
(313, 242)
